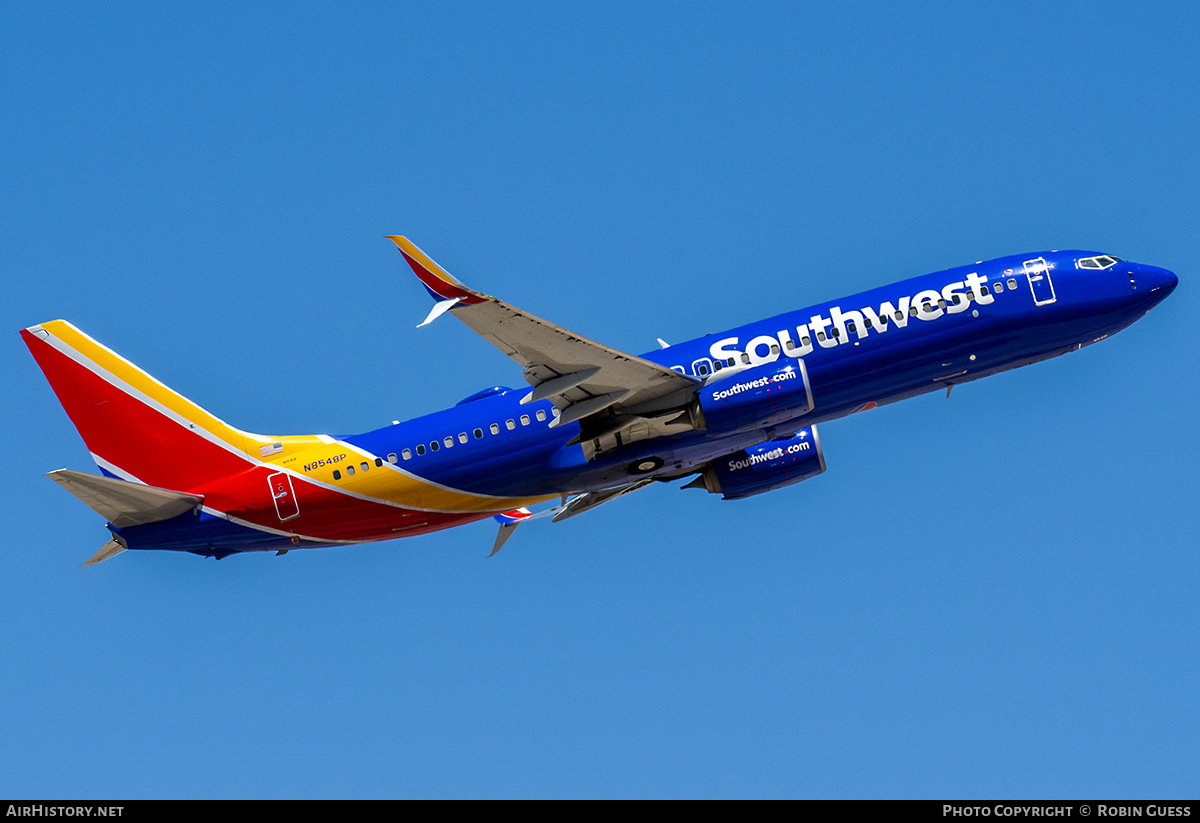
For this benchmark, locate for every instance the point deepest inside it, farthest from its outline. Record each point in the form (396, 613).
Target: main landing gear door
(284, 496)
(1039, 281)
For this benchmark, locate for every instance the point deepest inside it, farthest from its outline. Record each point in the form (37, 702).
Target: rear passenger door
(284, 496)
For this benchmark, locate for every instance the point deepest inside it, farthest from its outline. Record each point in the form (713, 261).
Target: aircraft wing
(581, 377)
(578, 504)
(590, 500)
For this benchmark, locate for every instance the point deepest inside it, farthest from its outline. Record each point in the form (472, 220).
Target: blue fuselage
(877, 347)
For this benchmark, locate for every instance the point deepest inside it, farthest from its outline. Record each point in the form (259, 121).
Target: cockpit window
(1101, 262)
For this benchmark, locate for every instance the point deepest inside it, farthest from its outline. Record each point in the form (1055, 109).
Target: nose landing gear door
(1039, 281)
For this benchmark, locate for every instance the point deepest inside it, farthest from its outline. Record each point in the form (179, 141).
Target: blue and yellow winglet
(441, 285)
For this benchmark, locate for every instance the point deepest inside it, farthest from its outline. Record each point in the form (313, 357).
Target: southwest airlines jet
(737, 412)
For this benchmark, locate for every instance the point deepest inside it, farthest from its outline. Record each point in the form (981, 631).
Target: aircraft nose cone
(1154, 284)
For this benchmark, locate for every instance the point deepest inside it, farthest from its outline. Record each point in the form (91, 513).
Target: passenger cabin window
(434, 445)
(421, 449)
(407, 454)
(1012, 284)
(349, 471)
(364, 466)
(462, 437)
(510, 425)
(449, 441)
(541, 415)
(337, 475)
(524, 420)
(478, 434)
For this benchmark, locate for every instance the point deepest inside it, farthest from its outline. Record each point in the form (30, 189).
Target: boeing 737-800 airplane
(737, 411)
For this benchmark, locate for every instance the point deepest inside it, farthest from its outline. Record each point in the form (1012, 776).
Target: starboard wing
(582, 378)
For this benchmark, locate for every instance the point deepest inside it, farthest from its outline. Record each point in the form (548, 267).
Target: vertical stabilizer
(135, 427)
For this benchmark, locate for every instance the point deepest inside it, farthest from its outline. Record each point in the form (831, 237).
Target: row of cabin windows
(851, 327)
(446, 442)
(363, 467)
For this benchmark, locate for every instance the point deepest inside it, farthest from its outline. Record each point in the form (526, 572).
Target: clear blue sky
(992, 596)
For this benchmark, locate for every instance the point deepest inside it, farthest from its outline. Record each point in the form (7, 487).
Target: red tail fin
(134, 426)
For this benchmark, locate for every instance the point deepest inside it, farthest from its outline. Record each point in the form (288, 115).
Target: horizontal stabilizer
(110, 549)
(508, 524)
(502, 534)
(122, 503)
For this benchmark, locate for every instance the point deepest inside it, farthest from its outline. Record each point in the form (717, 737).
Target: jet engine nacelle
(765, 395)
(765, 467)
